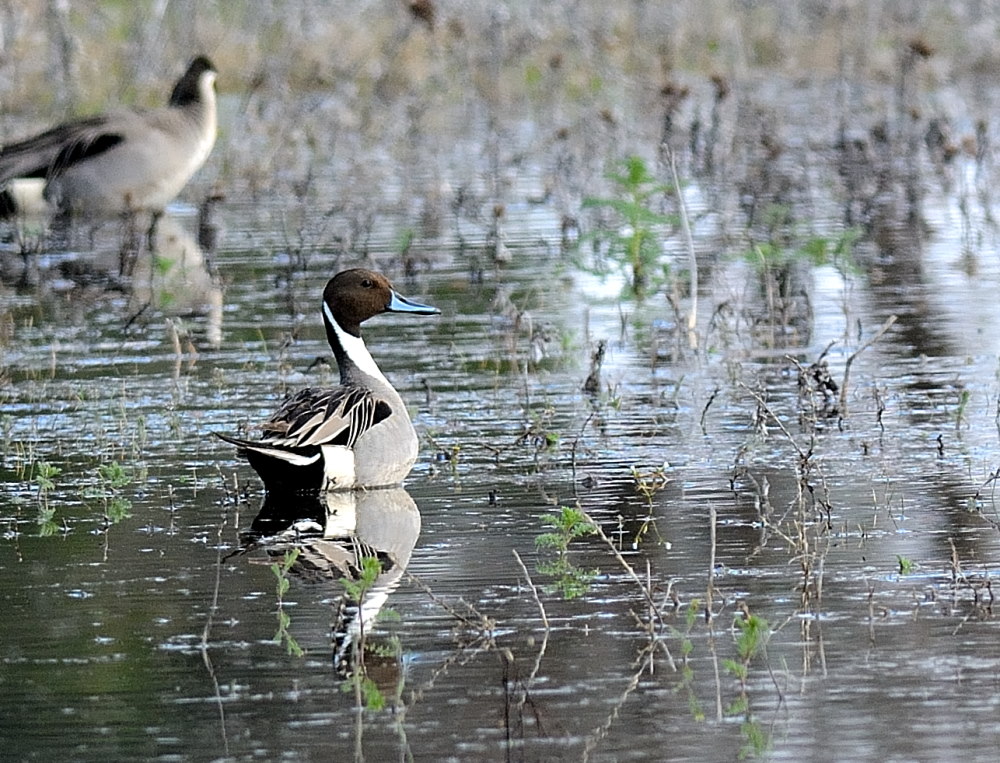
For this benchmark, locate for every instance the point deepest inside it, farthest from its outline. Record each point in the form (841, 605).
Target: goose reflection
(335, 533)
(166, 273)
(175, 278)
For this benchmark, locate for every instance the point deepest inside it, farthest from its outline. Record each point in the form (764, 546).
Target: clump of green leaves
(280, 571)
(366, 690)
(571, 581)
(368, 573)
(112, 478)
(44, 479)
(751, 636)
(686, 671)
(634, 245)
(781, 252)
(370, 696)
(43, 476)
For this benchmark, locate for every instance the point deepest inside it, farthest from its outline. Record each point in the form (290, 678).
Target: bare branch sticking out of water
(979, 499)
(847, 366)
(871, 613)
(545, 639)
(982, 603)
(576, 443)
(534, 591)
(602, 731)
(465, 654)
(764, 407)
(709, 588)
(203, 644)
(704, 411)
(481, 623)
(646, 589)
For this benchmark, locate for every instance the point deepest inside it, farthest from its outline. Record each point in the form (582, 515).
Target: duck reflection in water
(335, 533)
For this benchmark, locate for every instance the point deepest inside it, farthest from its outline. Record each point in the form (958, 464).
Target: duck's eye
(368, 283)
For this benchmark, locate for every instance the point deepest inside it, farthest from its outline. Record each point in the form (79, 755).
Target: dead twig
(847, 366)
(485, 625)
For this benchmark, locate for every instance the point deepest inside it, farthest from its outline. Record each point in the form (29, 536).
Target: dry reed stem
(627, 567)
(763, 404)
(847, 366)
(545, 622)
(203, 645)
(484, 626)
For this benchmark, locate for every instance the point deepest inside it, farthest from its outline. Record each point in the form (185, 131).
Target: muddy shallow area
(770, 536)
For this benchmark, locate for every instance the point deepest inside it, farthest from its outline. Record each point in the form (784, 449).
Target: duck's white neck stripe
(354, 348)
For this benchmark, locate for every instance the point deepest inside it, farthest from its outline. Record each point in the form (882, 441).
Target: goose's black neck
(188, 88)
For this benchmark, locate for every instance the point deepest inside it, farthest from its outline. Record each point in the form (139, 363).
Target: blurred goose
(357, 435)
(124, 161)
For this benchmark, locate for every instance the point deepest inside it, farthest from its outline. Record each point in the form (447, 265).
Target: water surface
(141, 605)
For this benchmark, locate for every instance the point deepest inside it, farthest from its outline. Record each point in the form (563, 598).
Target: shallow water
(147, 637)
(141, 609)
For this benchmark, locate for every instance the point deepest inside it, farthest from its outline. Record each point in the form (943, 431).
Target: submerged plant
(368, 695)
(571, 581)
(836, 251)
(648, 484)
(46, 520)
(634, 247)
(963, 402)
(775, 260)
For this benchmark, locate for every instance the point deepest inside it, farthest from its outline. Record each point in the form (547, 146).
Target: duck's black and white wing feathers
(317, 416)
(314, 417)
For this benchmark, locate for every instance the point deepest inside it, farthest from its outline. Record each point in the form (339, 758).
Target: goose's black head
(188, 87)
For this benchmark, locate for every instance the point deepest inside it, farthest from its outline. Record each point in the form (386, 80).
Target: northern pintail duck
(357, 435)
(124, 161)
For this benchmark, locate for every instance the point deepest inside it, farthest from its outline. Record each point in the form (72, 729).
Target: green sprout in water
(751, 635)
(366, 691)
(368, 573)
(906, 566)
(570, 581)
(284, 619)
(686, 671)
(45, 474)
(963, 402)
(44, 479)
(634, 247)
(111, 479)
